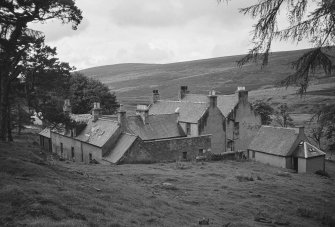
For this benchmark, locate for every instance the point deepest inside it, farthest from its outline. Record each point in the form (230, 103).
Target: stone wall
(63, 146)
(245, 126)
(167, 150)
(45, 143)
(214, 124)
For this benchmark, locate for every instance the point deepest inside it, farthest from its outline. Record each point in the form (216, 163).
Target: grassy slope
(36, 190)
(133, 83)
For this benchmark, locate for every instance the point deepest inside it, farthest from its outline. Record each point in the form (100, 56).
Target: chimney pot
(183, 91)
(67, 107)
(122, 118)
(143, 112)
(242, 94)
(155, 96)
(212, 97)
(96, 112)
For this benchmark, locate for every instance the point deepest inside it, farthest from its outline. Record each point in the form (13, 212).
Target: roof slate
(122, 145)
(275, 140)
(190, 112)
(226, 103)
(156, 127)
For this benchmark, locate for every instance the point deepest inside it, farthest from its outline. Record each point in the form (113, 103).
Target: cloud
(153, 31)
(165, 13)
(55, 30)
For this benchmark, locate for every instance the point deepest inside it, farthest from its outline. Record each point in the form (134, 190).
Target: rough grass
(34, 192)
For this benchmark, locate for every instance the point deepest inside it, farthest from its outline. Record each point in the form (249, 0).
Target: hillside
(133, 83)
(38, 190)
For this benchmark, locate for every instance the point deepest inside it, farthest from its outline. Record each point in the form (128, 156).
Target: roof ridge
(181, 101)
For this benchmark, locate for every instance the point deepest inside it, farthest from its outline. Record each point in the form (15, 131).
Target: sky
(153, 31)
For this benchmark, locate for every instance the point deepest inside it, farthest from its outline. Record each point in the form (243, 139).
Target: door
(295, 164)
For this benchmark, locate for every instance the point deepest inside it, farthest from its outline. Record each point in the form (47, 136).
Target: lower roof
(275, 140)
(122, 145)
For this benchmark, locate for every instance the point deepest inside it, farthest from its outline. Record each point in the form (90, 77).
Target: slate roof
(225, 103)
(96, 133)
(275, 140)
(45, 132)
(190, 112)
(156, 127)
(81, 117)
(122, 145)
(309, 151)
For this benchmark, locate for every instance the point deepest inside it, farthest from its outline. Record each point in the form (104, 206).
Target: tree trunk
(3, 107)
(9, 126)
(19, 120)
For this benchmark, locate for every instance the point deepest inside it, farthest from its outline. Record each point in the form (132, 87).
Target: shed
(286, 148)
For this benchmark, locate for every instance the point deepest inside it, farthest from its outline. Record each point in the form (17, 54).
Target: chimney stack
(213, 98)
(143, 111)
(301, 130)
(96, 112)
(122, 118)
(155, 96)
(67, 109)
(183, 91)
(242, 94)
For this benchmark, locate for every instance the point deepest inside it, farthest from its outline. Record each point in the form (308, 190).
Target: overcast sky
(153, 31)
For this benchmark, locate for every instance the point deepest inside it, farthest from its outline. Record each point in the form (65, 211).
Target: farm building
(45, 139)
(230, 119)
(126, 139)
(286, 148)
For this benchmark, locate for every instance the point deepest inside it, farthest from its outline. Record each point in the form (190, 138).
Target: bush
(322, 173)
(242, 178)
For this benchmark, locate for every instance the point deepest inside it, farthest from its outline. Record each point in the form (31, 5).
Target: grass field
(38, 190)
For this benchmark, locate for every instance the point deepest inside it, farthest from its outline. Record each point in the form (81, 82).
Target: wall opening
(295, 164)
(90, 157)
(72, 153)
(61, 149)
(253, 154)
(188, 128)
(184, 155)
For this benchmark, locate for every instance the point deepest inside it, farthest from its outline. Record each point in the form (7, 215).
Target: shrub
(322, 173)
(242, 178)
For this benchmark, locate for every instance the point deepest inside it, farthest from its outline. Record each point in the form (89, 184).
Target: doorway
(295, 164)
(184, 155)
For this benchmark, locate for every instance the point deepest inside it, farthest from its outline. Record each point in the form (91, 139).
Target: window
(188, 128)
(184, 155)
(201, 151)
(253, 154)
(236, 128)
(61, 149)
(230, 145)
(72, 153)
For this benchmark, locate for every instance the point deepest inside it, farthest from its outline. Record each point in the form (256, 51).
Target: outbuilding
(286, 148)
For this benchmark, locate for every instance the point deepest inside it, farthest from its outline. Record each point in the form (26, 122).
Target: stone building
(45, 140)
(230, 119)
(126, 139)
(286, 148)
